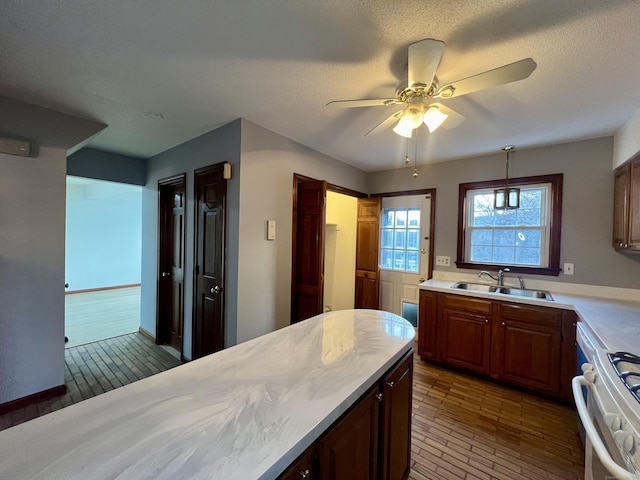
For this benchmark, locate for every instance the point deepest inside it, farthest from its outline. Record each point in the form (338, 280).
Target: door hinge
(197, 269)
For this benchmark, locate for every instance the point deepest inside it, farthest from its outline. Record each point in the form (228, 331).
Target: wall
(90, 163)
(221, 145)
(103, 234)
(340, 251)
(266, 186)
(32, 224)
(587, 204)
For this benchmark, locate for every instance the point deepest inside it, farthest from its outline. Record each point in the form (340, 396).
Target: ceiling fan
(421, 87)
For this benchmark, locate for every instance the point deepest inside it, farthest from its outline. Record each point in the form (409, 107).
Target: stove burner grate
(618, 357)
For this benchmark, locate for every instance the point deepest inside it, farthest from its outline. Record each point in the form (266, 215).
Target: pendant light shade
(506, 198)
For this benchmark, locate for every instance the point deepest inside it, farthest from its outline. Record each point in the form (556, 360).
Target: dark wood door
(621, 206)
(308, 260)
(427, 325)
(170, 318)
(397, 388)
(527, 347)
(349, 450)
(208, 318)
(367, 242)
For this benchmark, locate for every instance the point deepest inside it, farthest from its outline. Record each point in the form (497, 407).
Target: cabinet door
(302, 468)
(634, 206)
(397, 387)
(621, 206)
(427, 325)
(527, 347)
(465, 340)
(349, 450)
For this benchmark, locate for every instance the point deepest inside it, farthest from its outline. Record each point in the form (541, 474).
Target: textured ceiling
(160, 72)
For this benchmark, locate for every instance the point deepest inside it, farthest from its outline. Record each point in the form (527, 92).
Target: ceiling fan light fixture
(411, 119)
(434, 118)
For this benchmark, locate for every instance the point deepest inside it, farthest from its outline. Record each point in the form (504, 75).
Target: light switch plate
(271, 229)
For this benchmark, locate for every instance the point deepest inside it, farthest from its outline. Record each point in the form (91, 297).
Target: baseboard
(147, 334)
(100, 289)
(33, 398)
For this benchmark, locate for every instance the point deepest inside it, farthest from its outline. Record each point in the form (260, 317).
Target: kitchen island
(247, 412)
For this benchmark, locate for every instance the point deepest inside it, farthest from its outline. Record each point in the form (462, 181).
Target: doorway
(171, 240)
(102, 259)
(405, 258)
(209, 265)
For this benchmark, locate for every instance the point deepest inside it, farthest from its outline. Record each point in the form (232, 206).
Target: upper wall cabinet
(626, 207)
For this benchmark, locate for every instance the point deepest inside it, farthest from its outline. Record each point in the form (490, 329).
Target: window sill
(553, 271)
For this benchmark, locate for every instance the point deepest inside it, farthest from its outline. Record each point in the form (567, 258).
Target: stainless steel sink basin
(478, 287)
(515, 292)
(518, 292)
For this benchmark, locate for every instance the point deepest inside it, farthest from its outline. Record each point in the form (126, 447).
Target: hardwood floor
(93, 316)
(463, 427)
(96, 368)
(467, 428)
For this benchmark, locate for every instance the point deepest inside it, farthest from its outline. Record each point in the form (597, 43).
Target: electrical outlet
(567, 268)
(443, 261)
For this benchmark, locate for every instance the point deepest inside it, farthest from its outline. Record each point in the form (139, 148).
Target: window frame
(554, 223)
(405, 249)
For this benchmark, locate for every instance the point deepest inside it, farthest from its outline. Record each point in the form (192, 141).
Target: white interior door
(404, 250)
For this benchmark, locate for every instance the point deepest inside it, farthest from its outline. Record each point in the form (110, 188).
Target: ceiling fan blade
(374, 102)
(424, 58)
(385, 123)
(498, 76)
(453, 118)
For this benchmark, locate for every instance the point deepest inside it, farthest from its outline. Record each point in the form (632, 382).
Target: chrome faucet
(499, 279)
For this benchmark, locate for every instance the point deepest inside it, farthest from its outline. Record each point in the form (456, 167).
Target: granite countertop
(615, 323)
(245, 412)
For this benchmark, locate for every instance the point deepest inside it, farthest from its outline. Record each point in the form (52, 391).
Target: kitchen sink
(514, 292)
(478, 287)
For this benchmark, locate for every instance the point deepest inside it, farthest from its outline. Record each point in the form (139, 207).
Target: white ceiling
(202, 63)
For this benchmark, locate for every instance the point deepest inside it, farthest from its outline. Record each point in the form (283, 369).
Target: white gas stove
(610, 414)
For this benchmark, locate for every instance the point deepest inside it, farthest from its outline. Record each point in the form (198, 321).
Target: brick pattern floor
(467, 428)
(98, 367)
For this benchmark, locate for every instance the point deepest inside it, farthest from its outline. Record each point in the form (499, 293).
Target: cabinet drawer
(531, 314)
(469, 304)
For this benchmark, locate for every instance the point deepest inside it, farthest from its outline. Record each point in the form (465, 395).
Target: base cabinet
(372, 440)
(523, 345)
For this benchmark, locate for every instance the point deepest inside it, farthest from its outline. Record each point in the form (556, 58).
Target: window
(526, 239)
(400, 239)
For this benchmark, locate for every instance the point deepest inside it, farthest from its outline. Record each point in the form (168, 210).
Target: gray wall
(90, 163)
(32, 219)
(587, 204)
(221, 145)
(266, 193)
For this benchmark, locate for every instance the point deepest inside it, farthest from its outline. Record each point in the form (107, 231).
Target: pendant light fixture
(506, 198)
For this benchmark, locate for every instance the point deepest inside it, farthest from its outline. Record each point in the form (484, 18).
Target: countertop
(245, 412)
(615, 323)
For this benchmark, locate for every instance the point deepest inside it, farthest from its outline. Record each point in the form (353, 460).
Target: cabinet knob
(304, 473)
(391, 384)
(379, 397)
(504, 324)
(486, 320)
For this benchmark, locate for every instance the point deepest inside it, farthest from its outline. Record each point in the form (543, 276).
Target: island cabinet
(371, 440)
(626, 207)
(527, 346)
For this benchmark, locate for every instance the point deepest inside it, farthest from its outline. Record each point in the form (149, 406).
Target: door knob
(215, 289)
(166, 274)
(423, 251)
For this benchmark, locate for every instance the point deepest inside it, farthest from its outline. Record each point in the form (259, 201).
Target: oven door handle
(614, 469)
